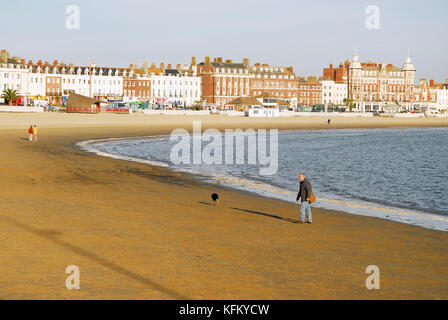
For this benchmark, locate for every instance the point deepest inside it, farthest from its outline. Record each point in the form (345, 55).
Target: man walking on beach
(304, 194)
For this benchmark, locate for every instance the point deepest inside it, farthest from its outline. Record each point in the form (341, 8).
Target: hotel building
(309, 91)
(279, 82)
(372, 86)
(223, 81)
(14, 74)
(430, 96)
(333, 93)
(163, 85)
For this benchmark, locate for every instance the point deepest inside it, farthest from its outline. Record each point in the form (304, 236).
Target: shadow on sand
(267, 215)
(206, 203)
(51, 235)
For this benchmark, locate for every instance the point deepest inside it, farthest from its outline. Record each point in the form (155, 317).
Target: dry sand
(142, 232)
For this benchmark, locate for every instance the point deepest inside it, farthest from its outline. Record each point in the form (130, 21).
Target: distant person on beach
(30, 133)
(215, 199)
(329, 121)
(304, 194)
(35, 132)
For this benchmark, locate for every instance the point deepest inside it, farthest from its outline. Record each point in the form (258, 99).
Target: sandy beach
(142, 232)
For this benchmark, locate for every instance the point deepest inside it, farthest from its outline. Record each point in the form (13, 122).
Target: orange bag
(312, 197)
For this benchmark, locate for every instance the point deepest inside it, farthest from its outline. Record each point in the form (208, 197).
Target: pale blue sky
(305, 34)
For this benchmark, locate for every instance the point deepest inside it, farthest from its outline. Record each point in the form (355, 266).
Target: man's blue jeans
(305, 208)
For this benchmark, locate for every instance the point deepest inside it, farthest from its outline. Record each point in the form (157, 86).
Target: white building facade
(333, 92)
(442, 99)
(14, 74)
(105, 82)
(177, 90)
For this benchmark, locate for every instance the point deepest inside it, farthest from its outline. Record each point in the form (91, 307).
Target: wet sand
(142, 232)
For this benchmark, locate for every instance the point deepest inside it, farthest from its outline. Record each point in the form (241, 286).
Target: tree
(10, 95)
(57, 99)
(349, 104)
(197, 105)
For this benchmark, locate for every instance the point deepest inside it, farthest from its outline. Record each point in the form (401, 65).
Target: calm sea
(395, 174)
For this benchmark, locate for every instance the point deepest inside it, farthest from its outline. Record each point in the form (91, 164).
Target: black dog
(215, 199)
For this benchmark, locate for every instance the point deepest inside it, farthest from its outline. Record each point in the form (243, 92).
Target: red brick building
(309, 91)
(339, 74)
(53, 86)
(137, 84)
(279, 82)
(223, 81)
(426, 92)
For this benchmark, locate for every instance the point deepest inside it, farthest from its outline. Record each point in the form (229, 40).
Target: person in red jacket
(30, 132)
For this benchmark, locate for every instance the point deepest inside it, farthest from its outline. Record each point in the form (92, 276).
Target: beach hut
(82, 104)
(243, 103)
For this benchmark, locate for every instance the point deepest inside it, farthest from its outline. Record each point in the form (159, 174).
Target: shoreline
(143, 232)
(349, 206)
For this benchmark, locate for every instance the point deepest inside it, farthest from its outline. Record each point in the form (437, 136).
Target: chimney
(145, 67)
(46, 64)
(207, 60)
(220, 59)
(229, 61)
(246, 62)
(162, 66)
(3, 56)
(257, 64)
(193, 61)
(178, 66)
(153, 65)
(431, 82)
(55, 63)
(23, 61)
(30, 63)
(170, 66)
(291, 69)
(39, 63)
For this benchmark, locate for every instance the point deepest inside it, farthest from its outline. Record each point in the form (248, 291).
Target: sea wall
(20, 109)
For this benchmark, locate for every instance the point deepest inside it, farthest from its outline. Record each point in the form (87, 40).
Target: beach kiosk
(270, 101)
(77, 103)
(243, 104)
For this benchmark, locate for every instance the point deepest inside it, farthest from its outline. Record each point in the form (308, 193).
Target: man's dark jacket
(304, 190)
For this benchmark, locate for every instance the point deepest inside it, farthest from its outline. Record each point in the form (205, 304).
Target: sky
(307, 35)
